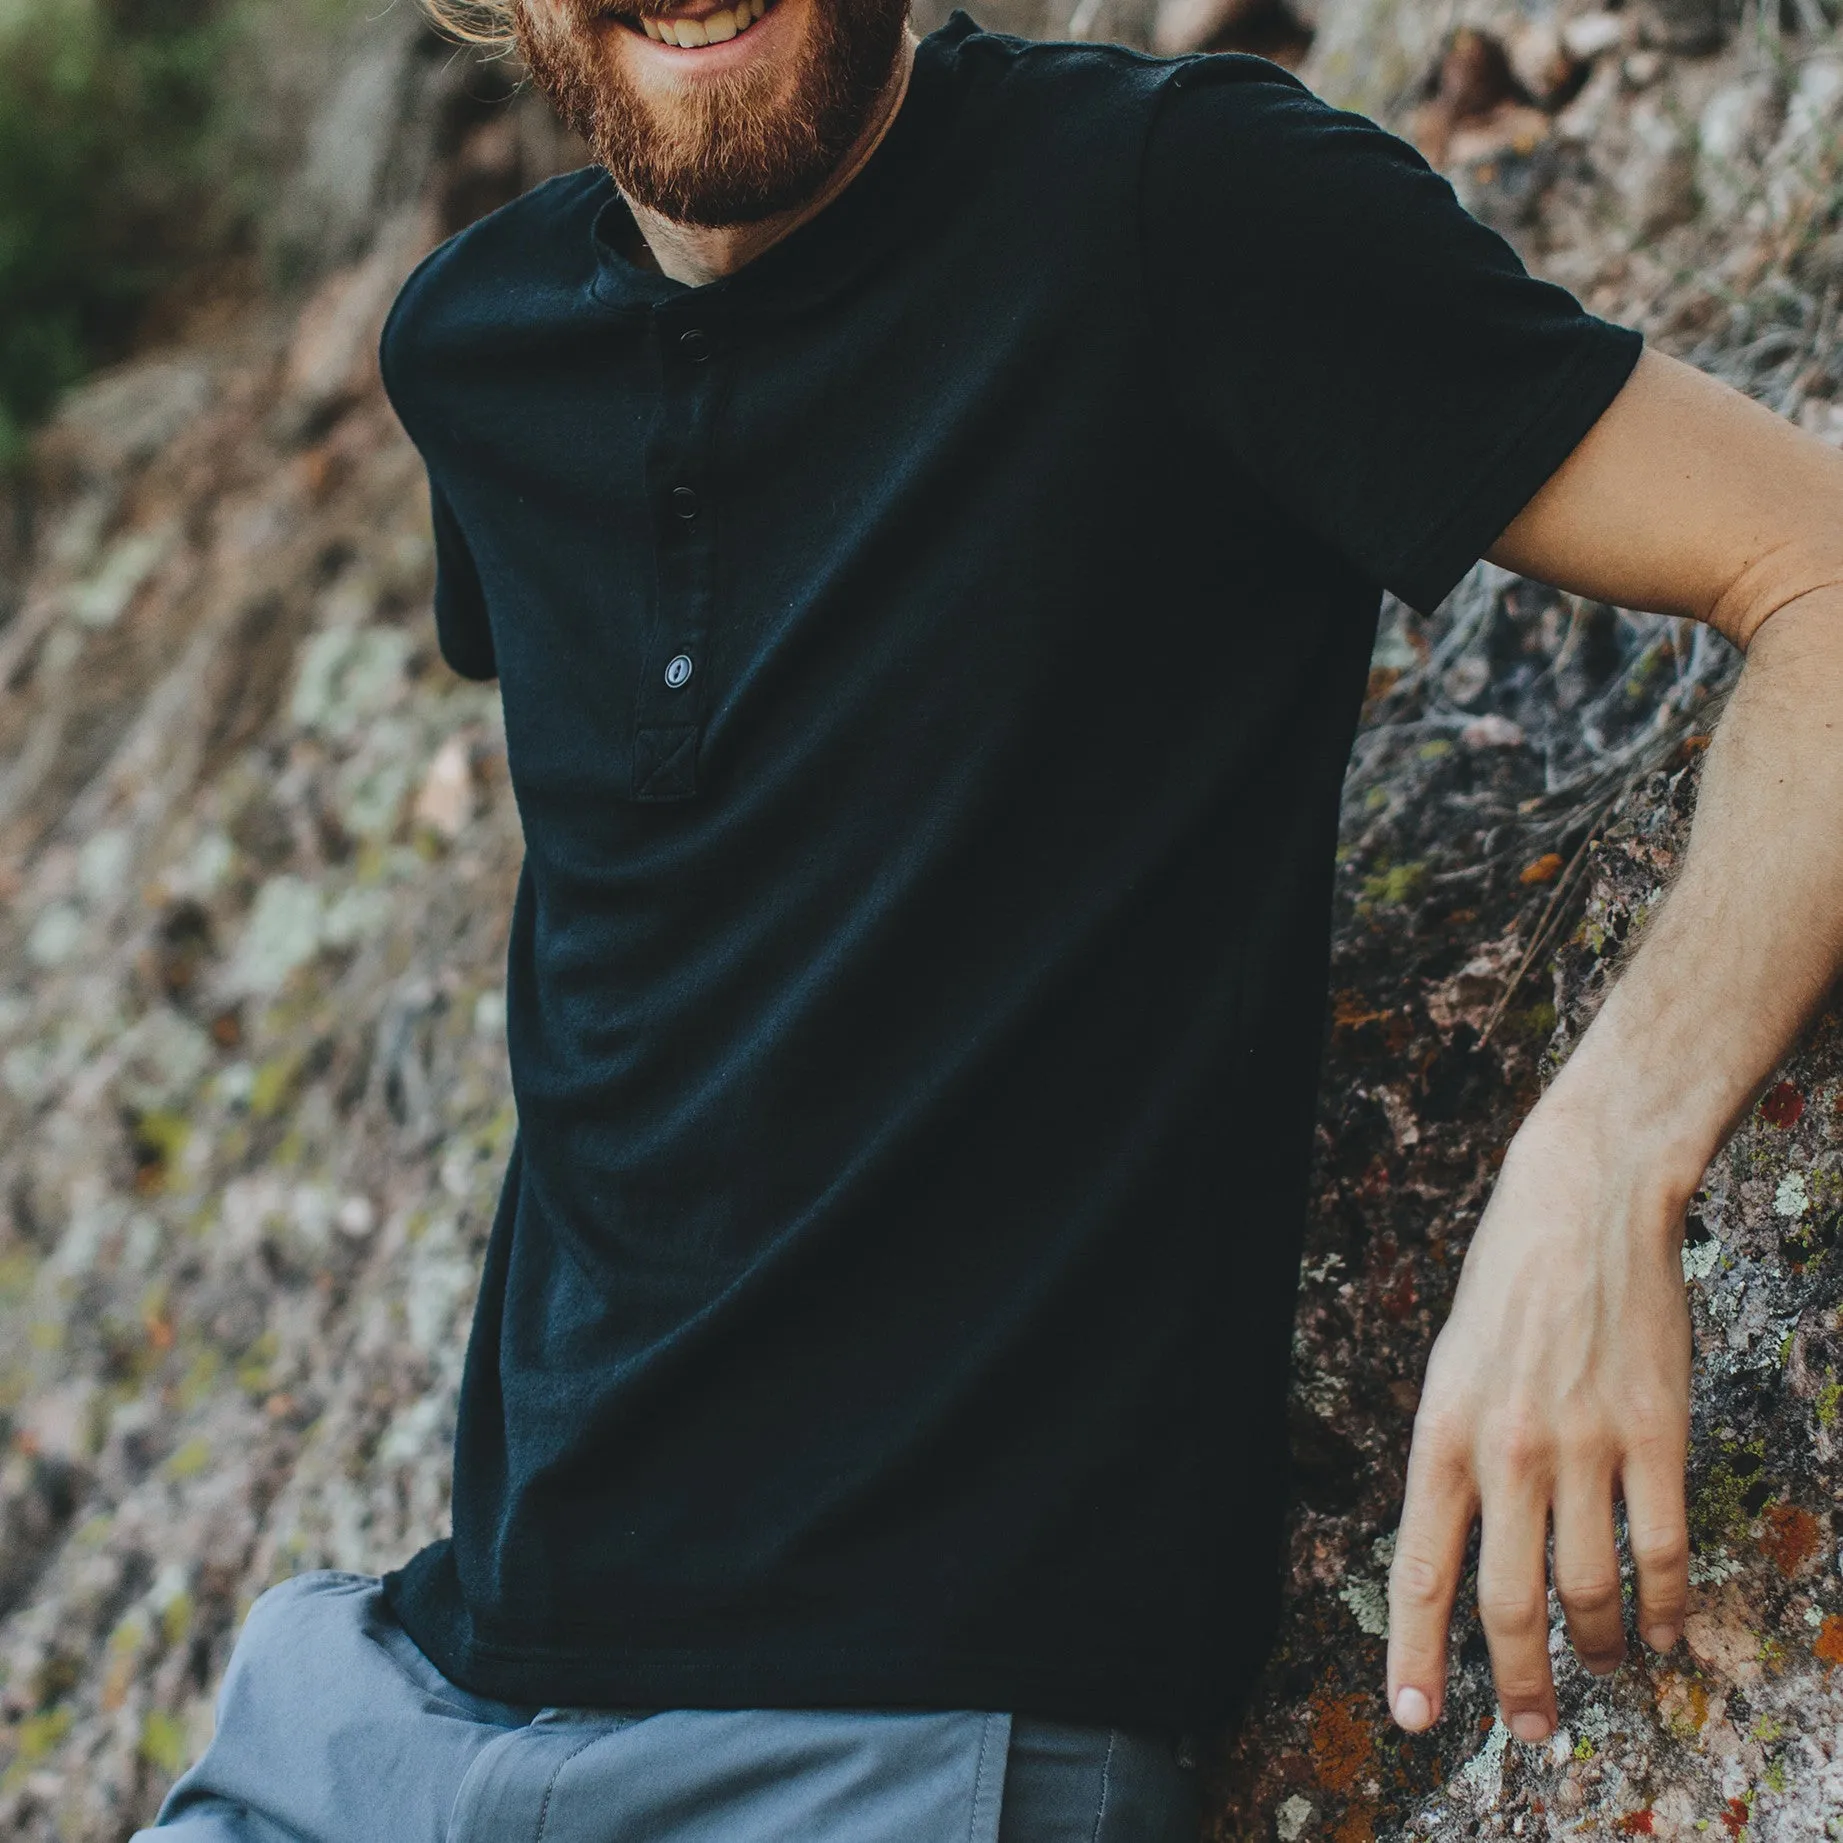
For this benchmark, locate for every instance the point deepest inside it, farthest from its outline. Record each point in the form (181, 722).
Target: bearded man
(926, 505)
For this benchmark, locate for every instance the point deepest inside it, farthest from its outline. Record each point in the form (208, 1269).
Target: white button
(678, 669)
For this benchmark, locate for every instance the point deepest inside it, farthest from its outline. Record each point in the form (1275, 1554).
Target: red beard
(733, 149)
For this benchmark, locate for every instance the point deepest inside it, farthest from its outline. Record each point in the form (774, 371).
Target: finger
(1655, 1517)
(1587, 1567)
(1513, 1601)
(1436, 1516)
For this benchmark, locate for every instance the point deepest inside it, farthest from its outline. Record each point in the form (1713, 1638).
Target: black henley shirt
(929, 659)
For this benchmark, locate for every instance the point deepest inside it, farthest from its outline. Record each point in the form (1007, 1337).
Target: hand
(1560, 1381)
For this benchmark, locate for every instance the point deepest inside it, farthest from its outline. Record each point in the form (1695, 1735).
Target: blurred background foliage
(134, 144)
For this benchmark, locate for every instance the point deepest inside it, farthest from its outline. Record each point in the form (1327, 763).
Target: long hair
(474, 22)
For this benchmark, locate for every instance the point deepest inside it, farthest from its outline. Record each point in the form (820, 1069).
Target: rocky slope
(257, 850)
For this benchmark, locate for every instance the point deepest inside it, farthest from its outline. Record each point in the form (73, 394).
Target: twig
(1550, 925)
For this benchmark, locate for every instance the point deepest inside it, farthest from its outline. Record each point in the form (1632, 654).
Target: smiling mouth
(713, 28)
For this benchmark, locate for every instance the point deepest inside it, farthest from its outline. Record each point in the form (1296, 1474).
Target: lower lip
(711, 57)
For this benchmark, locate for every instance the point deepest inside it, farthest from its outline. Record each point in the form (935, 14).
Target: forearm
(1561, 1380)
(1750, 937)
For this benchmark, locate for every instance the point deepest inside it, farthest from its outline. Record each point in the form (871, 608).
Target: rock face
(257, 850)
(1435, 1054)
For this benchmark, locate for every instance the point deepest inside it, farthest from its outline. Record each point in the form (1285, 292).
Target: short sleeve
(1377, 360)
(462, 630)
(461, 627)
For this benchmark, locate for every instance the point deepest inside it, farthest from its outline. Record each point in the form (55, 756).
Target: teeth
(717, 27)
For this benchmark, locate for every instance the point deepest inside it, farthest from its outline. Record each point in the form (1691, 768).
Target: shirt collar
(835, 244)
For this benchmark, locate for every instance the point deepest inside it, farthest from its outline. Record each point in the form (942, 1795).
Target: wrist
(1642, 1154)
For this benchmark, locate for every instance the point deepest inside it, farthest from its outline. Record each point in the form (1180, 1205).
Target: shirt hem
(1113, 1692)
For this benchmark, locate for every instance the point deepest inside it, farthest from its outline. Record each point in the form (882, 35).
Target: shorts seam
(979, 1775)
(1100, 1815)
(551, 1788)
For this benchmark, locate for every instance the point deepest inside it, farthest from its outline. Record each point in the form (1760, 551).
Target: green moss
(17, 1272)
(129, 1635)
(176, 1619)
(163, 1741)
(162, 1134)
(38, 1737)
(254, 1370)
(201, 1373)
(1829, 1398)
(270, 1090)
(1718, 1512)
(191, 1459)
(1395, 883)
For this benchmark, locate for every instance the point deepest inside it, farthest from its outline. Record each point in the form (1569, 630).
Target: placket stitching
(669, 718)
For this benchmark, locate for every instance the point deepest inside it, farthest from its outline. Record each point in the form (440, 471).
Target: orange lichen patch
(1342, 1741)
(1351, 1010)
(1382, 680)
(1782, 1106)
(1829, 1646)
(1635, 1823)
(1388, 1030)
(1791, 1536)
(1734, 1816)
(1544, 869)
(1357, 1825)
(1683, 1702)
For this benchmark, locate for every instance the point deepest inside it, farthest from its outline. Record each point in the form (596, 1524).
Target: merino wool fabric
(929, 658)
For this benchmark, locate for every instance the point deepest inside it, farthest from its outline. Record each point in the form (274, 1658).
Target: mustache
(552, 17)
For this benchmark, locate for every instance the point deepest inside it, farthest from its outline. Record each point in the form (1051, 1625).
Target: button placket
(672, 698)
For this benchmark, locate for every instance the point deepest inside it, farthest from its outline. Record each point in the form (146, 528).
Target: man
(926, 507)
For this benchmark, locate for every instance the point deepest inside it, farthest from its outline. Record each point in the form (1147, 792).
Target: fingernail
(1662, 1637)
(1530, 1726)
(1412, 1710)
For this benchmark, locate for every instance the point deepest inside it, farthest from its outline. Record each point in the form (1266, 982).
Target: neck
(695, 254)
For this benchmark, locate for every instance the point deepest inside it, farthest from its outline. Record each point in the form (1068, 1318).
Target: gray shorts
(332, 1727)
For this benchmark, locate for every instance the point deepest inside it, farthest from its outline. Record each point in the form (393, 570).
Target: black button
(695, 345)
(684, 502)
(678, 669)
